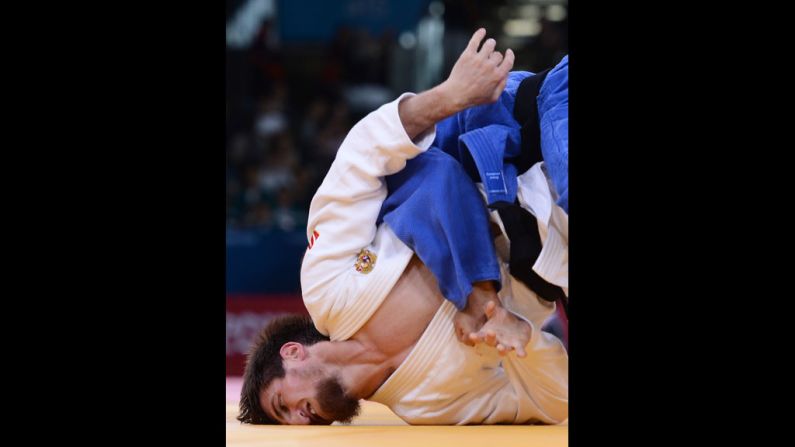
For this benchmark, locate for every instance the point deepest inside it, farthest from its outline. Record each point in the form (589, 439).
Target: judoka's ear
(292, 350)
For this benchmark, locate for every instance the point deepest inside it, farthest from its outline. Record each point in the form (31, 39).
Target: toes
(491, 306)
(491, 338)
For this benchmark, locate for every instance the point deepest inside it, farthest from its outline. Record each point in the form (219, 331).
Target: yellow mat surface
(377, 426)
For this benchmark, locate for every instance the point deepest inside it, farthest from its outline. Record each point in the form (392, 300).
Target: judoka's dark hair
(264, 363)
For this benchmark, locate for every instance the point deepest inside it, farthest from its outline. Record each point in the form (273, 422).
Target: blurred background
(299, 74)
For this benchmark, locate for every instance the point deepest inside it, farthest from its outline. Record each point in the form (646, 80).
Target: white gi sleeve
(350, 265)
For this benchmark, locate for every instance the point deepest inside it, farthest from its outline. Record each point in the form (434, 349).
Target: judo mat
(378, 426)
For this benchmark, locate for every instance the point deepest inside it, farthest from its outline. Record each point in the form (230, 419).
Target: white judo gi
(351, 265)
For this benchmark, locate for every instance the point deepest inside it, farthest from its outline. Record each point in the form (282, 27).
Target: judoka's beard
(335, 403)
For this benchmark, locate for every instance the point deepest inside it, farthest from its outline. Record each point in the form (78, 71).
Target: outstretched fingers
(474, 41)
(487, 48)
(495, 58)
(507, 62)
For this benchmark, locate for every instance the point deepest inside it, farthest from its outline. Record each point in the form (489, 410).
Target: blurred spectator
(244, 196)
(278, 169)
(238, 149)
(272, 116)
(340, 59)
(316, 114)
(551, 45)
(265, 56)
(259, 216)
(287, 216)
(332, 133)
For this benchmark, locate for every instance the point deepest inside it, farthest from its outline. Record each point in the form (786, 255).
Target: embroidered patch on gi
(365, 261)
(495, 182)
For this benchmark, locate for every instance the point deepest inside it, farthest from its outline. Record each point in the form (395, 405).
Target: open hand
(478, 77)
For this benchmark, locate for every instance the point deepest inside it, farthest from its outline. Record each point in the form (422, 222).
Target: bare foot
(466, 324)
(473, 317)
(503, 330)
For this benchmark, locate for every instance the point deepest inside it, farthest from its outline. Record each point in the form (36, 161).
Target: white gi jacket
(351, 266)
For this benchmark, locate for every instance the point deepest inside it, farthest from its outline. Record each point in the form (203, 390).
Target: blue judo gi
(433, 205)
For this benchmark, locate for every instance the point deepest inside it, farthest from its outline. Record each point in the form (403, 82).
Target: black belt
(525, 111)
(520, 225)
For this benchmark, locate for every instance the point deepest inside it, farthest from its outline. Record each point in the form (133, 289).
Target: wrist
(449, 101)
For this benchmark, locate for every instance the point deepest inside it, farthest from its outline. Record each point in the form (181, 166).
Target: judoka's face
(307, 394)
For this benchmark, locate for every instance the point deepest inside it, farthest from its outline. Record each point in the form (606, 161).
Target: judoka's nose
(298, 412)
(298, 416)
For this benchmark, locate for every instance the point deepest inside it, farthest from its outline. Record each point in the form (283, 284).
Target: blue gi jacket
(433, 205)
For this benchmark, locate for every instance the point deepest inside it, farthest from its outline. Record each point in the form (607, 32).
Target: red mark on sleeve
(313, 238)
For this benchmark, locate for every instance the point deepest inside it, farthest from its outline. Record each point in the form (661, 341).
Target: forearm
(478, 77)
(420, 112)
